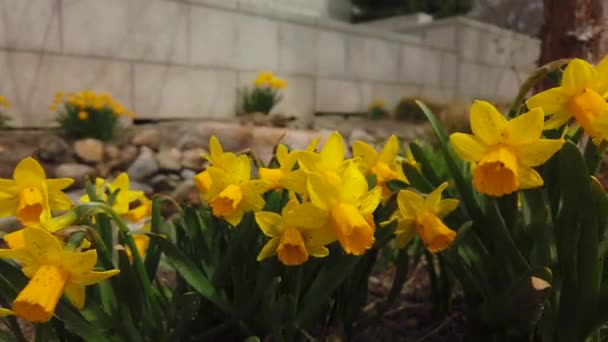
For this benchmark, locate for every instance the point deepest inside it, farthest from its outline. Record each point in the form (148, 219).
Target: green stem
(505, 240)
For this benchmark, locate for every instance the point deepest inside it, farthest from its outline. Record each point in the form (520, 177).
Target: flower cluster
(88, 101)
(267, 79)
(4, 104)
(377, 109)
(330, 198)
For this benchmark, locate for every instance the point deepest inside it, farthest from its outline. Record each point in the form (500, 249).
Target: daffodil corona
(504, 152)
(53, 272)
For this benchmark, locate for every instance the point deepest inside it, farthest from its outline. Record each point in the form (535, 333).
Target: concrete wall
(186, 59)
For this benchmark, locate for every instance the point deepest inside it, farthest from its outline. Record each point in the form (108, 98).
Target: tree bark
(574, 28)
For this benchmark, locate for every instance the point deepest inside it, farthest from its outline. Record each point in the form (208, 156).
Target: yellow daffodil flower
(143, 210)
(296, 235)
(232, 192)
(504, 151)
(349, 206)
(263, 79)
(3, 102)
(53, 272)
(383, 165)
(423, 216)
(277, 83)
(329, 159)
(581, 94)
(120, 186)
(23, 196)
(142, 241)
(217, 158)
(285, 176)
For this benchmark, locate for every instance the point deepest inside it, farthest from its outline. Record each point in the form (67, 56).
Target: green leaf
(427, 167)
(394, 185)
(417, 180)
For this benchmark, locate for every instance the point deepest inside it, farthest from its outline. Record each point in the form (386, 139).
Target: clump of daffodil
(504, 152)
(349, 206)
(217, 158)
(296, 234)
(24, 195)
(53, 272)
(422, 216)
(383, 165)
(138, 218)
(117, 193)
(232, 192)
(581, 94)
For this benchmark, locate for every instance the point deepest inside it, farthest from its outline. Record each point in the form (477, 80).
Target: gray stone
(53, 148)
(76, 171)
(112, 152)
(149, 137)
(144, 166)
(162, 182)
(128, 154)
(169, 160)
(89, 150)
(138, 186)
(359, 134)
(187, 174)
(9, 224)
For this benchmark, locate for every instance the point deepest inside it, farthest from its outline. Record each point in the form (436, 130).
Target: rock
(53, 148)
(112, 152)
(233, 137)
(137, 186)
(76, 171)
(362, 135)
(104, 169)
(89, 150)
(75, 195)
(169, 160)
(9, 224)
(193, 159)
(162, 182)
(187, 174)
(144, 166)
(149, 137)
(187, 192)
(128, 155)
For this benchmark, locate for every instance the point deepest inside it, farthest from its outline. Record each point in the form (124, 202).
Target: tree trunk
(574, 28)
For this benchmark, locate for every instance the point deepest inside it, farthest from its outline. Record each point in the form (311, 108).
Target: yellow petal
(79, 262)
(601, 71)
(367, 154)
(529, 178)
(295, 181)
(29, 172)
(539, 152)
(446, 206)
(323, 191)
(57, 184)
(59, 201)
(37, 301)
(434, 233)
(333, 151)
(355, 233)
(370, 201)
(354, 184)
(390, 150)
(76, 295)
(525, 129)
(315, 238)
(6, 312)
(216, 149)
(318, 251)
(240, 170)
(578, 75)
(305, 215)
(282, 154)
(558, 120)
(235, 217)
(93, 277)
(309, 161)
(15, 240)
(43, 245)
(272, 176)
(551, 101)
(404, 233)
(270, 223)
(269, 249)
(467, 146)
(486, 122)
(431, 202)
(410, 203)
(9, 193)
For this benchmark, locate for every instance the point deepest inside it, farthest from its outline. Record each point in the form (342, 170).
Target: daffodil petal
(367, 153)
(551, 101)
(235, 217)
(354, 184)
(529, 178)
(59, 201)
(295, 181)
(526, 128)
(467, 146)
(370, 201)
(41, 243)
(75, 294)
(29, 172)
(409, 203)
(79, 262)
(318, 251)
(486, 122)
(446, 206)
(434, 198)
(578, 75)
(6, 312)
(306, 215)
(601, 70)
(323, 193)
(56, 184)
(215, 149)
(93, 277)
(557, 120)
(269, 249)
(333, 151)
(404, 233)
(269, 223)
(539, 152)
(390, 150)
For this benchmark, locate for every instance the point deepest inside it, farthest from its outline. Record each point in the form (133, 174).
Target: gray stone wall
(186, 59)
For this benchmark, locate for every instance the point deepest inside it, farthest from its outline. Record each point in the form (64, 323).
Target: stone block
(443, 37)
(508, 84)
(448, 69)
(468, 43)
(30, 24)
(342, 96)
(218, 3)
(184, 92)
(412, 64)
(331, 53)
(37, 78)
(373, 59)
(391, 94)
(526, 52)
(437, 94)
(297, 49)
(468, 80)
(213, 37)
(257, 43)
(496, 48)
